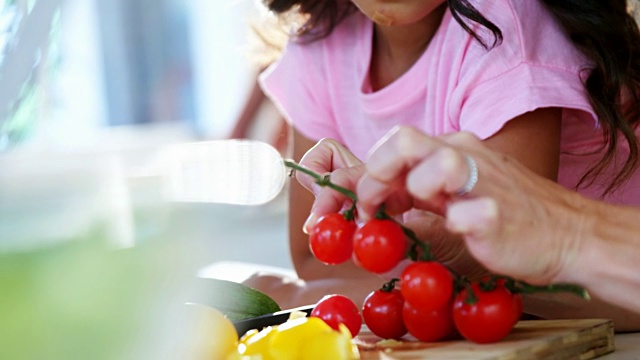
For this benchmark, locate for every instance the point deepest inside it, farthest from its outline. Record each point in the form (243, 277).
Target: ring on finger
(473, 177)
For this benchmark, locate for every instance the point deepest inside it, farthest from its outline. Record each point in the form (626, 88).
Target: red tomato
(338, 309)
(331, 239)
(379, 245)
(382, 312)
(517, 298)
(427, 285)
(490, 318)
(429, 325)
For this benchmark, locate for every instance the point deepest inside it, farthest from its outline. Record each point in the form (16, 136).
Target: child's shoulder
(530, 32)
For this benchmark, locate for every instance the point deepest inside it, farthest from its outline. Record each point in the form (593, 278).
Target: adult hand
(447, 247)
(512, 221)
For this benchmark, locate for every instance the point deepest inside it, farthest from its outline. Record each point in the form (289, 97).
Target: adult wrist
(578, 240)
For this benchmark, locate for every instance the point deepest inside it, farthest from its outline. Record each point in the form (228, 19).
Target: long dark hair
(607, 33)
(604, 31)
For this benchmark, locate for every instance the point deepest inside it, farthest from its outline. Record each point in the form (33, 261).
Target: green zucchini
(235, 300)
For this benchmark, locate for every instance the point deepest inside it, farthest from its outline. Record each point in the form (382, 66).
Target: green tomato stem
(390, 285)
(471, 298)
(322, 180)
(525, 288)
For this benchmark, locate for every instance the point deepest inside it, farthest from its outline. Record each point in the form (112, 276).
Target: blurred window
(69, 68)
(26, 30)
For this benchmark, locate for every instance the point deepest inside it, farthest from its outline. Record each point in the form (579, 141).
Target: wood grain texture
(532, 339)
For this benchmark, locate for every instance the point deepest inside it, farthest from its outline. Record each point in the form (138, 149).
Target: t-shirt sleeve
(486, 107)
(295, 85)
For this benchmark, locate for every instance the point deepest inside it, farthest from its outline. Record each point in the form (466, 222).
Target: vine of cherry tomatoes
(486, 314)
(377, 246)
(432, 302)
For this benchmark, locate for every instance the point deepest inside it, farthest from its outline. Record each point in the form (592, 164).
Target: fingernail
(309, 223)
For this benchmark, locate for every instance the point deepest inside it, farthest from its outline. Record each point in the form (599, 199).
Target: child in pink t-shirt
(534, 79)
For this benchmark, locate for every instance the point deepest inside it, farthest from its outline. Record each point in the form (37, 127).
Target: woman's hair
(608, 34)
(604, 30)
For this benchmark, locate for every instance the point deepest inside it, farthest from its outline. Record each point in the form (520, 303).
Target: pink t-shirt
(322, 87)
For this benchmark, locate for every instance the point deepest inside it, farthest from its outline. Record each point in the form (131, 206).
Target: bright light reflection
(243, 172)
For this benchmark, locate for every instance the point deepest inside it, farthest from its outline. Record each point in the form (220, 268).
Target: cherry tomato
(429, 325)
(490, 318)
(336, 309)
(331, 239)
(517, 298)
(427, 285)
(379, 245)
(382, 312)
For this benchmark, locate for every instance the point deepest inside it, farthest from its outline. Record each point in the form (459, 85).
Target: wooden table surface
(627, 348)
(538, 339)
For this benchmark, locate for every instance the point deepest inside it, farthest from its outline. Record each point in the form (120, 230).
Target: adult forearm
(608, 260)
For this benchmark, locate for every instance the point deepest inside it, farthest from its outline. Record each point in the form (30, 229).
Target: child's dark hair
(603, 29)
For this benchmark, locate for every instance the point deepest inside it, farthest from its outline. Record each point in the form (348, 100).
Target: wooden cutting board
(531, 339)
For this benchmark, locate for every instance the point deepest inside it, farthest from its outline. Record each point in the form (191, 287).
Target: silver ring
(473, 176)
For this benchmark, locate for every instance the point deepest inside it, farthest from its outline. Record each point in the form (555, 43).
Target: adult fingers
(501, 233)
(428, 168)
(398, 151)
(478, 221)
(474, 218)
(387, 167)
(439, 176)
(373, 193)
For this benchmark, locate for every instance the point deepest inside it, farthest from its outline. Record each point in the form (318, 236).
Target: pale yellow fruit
(209, 334)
